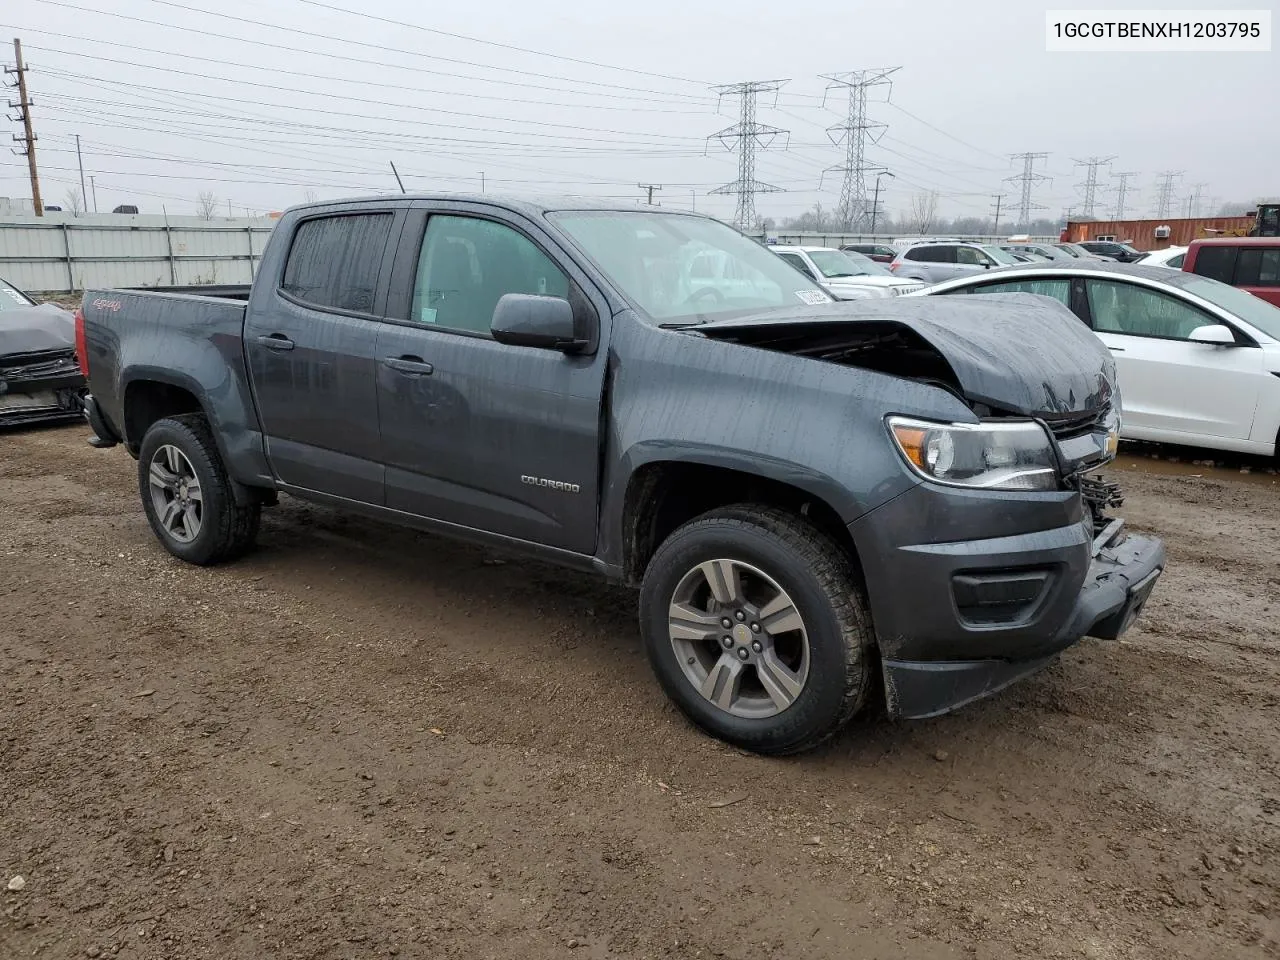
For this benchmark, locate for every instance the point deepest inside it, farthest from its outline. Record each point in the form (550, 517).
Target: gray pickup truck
(813, 497)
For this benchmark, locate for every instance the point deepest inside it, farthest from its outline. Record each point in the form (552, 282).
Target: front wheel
(757, 628)
(187, 494)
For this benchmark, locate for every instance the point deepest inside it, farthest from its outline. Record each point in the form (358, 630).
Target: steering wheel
(711, 293)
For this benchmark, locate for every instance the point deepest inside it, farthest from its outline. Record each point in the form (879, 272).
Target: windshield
(999, 256)
(833, 263)
(1072, 250)
(1252, 310)
(864, 266)
(676, 266)
(11, 298)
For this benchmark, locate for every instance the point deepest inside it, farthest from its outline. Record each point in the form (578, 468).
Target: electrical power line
(855, 133)
(1164, 192)
(1193, 201)
(748, 135)
(28, 138)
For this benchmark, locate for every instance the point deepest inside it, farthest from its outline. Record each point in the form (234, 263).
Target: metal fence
(66, 254)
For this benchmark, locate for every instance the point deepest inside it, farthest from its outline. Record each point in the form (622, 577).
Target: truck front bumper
(960, 619)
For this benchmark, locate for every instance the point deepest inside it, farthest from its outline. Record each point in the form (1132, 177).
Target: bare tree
(75, 202)
(924, 210)
(207, 204)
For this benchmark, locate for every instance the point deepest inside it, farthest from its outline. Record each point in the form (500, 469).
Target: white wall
(60, 253)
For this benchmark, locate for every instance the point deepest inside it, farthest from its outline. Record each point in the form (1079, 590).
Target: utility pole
(748, 135)
(1193, 201)
(650, 187)
(997, 197)
(1164, 192)
(1028, 178)
(84, 196)
(482, 181)
(1122, 190)
(93, 187)
(875, 204)
(855, 132)
(1089, 189)
(28, 138)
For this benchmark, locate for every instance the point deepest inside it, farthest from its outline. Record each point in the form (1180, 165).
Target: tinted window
(1258, 267)
(1216, 263)
(1142, 312)
(1060, 290)
(797, 261)
(1176, 262)
(334, 261)
(467, 265)
(930, 254)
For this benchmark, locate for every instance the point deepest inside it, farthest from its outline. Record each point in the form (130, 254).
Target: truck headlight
(992, 455)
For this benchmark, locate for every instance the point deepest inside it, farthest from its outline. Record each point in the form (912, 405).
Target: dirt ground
(362, 742)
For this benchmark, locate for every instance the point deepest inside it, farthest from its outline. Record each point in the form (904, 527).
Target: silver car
(934, 262)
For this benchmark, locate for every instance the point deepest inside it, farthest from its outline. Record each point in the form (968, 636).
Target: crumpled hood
(36, 330)
(1018, 352)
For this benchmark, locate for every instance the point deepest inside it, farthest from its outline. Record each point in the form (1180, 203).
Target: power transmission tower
(1089, 189)
(1122, 190)
(1193, 201)
(855, 132)
(650, 187)
(28, 138)
(998, 198)
(748, 135)
(1028, 178)
(1164, 192)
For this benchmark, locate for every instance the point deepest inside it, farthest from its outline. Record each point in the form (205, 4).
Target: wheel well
(663, 496)
(146, 401)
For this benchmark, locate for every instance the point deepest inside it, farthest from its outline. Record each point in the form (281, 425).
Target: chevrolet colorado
(812, 497)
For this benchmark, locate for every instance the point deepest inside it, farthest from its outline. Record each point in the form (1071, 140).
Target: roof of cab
(522, 204)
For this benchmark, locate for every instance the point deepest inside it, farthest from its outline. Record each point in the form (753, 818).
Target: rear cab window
(1216, 263)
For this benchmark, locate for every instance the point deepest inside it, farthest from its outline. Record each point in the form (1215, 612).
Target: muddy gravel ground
(361, 742)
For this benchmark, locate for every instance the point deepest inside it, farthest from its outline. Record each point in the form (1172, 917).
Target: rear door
(1258, 271)
(310, 343)
(488, 436)
(1169, 384)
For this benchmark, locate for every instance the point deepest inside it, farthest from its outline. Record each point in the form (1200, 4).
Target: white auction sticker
(813, 296)
(1158, 31)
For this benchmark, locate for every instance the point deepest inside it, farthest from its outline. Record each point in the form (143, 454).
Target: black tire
(227, 530)
(818, 576)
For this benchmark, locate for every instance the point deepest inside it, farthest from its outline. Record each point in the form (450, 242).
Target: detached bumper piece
(1122, 575)
(40, 389)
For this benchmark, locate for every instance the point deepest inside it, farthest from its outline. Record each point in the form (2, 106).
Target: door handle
(410, 365)
(1116, 349)
(276, 341)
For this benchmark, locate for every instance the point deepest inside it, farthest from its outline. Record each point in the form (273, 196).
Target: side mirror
(526, 320)
(986, 264)
(1216, 334)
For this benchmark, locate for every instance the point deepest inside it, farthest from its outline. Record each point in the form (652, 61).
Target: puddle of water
(1191, 462)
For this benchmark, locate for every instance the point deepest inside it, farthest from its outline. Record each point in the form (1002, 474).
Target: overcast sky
(312, 99)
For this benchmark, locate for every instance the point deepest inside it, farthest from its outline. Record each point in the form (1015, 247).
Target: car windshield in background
(11, 298)
(833, 263)
(674, 266)
(864, 266)
(1252, 310)
(999, 256)
(1071, 250)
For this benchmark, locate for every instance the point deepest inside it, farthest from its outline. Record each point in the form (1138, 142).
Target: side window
(334, 261)
(971, 256)
(920, 254)
(1258, 267)
(1176, 262)
(1216, 263)
(797, 262)
(1060, 290)
(1141, 312)
(468, 264)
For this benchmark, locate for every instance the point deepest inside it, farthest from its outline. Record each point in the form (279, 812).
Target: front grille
(1077, 425)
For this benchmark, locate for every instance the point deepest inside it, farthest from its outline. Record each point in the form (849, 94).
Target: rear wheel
(757, 628)
(187, 494)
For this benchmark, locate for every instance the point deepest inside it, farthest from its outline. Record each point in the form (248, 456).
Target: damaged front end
(45, 387)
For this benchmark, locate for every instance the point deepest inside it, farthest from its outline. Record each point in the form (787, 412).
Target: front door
(310, 344)
(499, 438)
(1169, 384)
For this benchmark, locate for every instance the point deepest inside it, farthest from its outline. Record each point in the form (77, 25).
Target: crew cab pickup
(812, 497)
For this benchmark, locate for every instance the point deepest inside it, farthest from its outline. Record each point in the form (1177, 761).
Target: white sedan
(1198, 361)
(1171, 257)
(845, 274)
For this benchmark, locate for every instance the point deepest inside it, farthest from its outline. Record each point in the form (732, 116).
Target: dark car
(879, 252)
(1121, 252)
(40, 381)
(814, 498)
